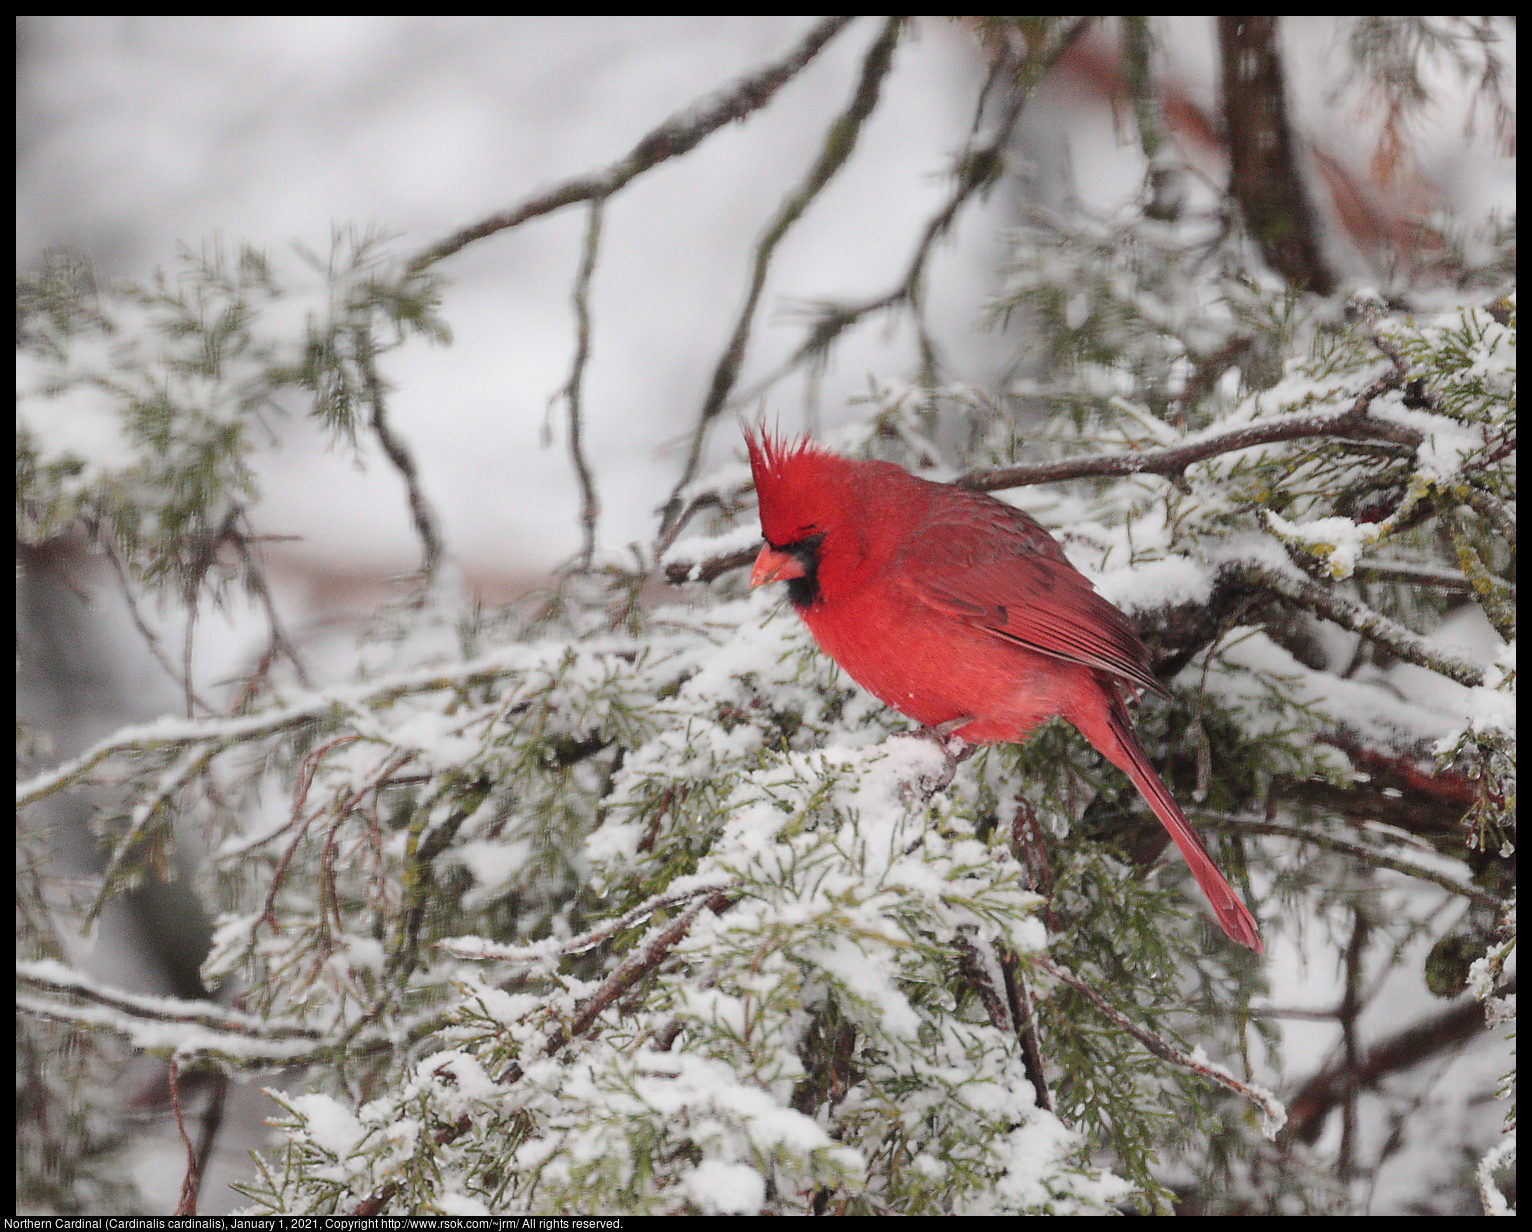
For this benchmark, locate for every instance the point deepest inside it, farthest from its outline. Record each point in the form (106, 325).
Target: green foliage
(140, 408)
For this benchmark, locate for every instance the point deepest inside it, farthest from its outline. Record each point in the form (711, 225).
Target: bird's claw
(954, 749)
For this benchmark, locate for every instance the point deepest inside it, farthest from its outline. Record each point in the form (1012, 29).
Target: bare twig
(590, 506)
(976, 168)
(148, 634)
(681, 572)
(678, 135)
(192, 1181)
(1351, 424)
(839, 141)
(1367, 855)
(399, 455)
(255, 583)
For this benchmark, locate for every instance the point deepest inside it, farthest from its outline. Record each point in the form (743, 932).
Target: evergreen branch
(1261, 1098)
(632, 969)
(839, 141)
(629, 972)
(555, 947)
(678, 135)
(193, 763)
(169, 734)
(1359, 618)
(170, 1025)
(1491, 510)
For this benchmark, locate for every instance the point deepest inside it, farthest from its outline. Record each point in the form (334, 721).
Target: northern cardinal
(964, 614)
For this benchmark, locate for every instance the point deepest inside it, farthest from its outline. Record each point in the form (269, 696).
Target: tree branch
(1275, 1114)
(678, 135)
(1359, 618)
(1419, 1042)
(976, 168)
(399, 455)
(590, 505)
(1367, 855)
(1263, 168)
(839, 141)
(1354, 423)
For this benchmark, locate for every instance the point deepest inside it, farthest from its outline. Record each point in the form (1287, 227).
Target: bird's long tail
(1124, 750)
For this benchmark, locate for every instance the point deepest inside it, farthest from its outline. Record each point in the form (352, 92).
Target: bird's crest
(797, 484)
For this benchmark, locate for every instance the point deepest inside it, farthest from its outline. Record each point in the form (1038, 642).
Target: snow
(1447, 445)
(1156, 584)
(721, 1188)
(694, 550)
(327, 1123)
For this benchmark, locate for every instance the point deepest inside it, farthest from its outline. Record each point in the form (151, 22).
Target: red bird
(962, 613)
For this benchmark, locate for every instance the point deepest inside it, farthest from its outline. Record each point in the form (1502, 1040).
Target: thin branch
(590, 506)
(399, 455)
(678, 135)
(632, 969)
(255, 583)
(839, 141)
(1353, 423)
(1421, 1041)
(1362, 852)
(555, 947)
(1261, 1098)
(169, 734)
(681, 572)
(1426, 575)
(1359, 618)
(976, 169)
(191, 1183)
(148, 634)
(201, 1026)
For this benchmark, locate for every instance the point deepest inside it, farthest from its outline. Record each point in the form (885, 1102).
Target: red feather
(955, 608)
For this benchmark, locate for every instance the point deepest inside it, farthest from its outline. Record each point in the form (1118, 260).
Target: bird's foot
(954, 750)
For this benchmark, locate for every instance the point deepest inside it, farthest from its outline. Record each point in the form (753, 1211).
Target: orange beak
(773, 565)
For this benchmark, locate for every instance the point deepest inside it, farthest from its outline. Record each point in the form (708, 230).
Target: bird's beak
(773, 565)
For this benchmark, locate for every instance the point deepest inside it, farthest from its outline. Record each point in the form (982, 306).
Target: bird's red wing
(995, 567)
